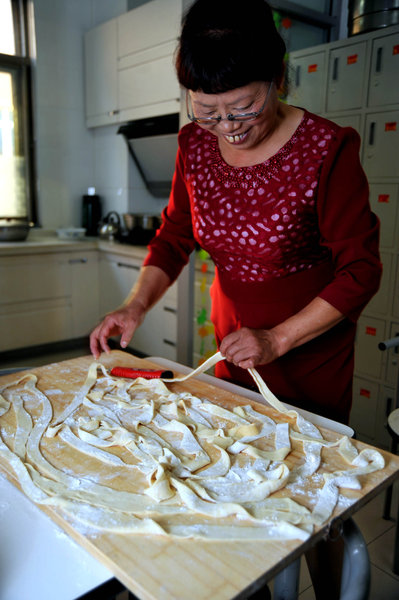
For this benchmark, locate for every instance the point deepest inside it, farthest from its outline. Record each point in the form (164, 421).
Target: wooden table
(161, 568)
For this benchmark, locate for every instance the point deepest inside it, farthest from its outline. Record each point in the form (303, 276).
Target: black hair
(226, 44)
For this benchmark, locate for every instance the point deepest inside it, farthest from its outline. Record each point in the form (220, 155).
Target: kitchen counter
(37, 244)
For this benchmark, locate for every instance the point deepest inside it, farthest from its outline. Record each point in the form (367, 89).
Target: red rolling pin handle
(145, 373)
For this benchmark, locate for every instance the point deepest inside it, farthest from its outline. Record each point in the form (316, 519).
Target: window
(17, 189)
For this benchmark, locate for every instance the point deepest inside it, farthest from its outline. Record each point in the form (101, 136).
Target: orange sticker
(371, 331)
(352, 59)
(312, 68)
(383, 198)
(395, 49)
(390, 126)
(365, 393)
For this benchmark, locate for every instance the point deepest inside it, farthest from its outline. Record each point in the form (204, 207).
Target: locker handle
(335, 69)
(298, 75)
(372, 133)
(378, 63)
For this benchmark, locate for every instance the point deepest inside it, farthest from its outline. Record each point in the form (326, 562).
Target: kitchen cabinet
(356, 86)
(101, 88)
(147, 40)
(47, 298)
(129, 64)
(157, 335)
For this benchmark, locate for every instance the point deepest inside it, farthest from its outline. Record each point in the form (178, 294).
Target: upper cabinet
(346, 77)
(130, 65)
(307, 75)
(101, 83)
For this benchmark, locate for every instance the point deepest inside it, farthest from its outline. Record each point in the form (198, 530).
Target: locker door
(380, 303)
(381, 143)
(348, 121)
(392, 354)
(346, 77)
(395, 309)
(307, 86)
(363, 415)
(383, 200)
(368, 358)
(384, 75)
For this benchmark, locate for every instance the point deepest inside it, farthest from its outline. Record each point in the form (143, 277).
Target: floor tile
(369, 519)
(383, 586)
(381, 553)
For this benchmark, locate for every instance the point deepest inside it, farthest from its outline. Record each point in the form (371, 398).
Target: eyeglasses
(229, 117)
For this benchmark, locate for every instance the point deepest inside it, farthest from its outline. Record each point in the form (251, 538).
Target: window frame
(21, 61)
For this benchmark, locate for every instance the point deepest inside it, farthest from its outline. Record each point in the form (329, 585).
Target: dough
(143, 459)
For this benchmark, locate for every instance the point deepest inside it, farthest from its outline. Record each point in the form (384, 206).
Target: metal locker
(307, 81)
(380, 303)
(381, 143)
(392, 354)
(347, 121)
(369, 359)
(384, 74)
(395, 307)
(384, 199)
(346, 76)
(363, 416)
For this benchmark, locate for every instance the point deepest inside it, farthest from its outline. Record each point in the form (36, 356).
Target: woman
(278, 198)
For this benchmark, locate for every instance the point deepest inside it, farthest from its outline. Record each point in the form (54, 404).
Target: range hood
(152, 144)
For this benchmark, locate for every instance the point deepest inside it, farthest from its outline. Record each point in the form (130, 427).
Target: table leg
(286, 583)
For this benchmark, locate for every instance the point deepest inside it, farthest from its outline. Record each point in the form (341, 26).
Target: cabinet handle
(372, 133)
(335, 69)
(112, 113)
(75, 261)
(170, 309)
(169, 343)
(127, 266)
(378, 62)
(298, 75)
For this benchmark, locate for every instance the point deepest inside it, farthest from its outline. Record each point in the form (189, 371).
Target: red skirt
(316, 376)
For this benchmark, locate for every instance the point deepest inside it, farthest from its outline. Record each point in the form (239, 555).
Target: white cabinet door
(346, 77)
(35, 301)
(308, 78)
(85, 284)
(381, 143)
(384, 74)
(100, 47)
(151, 24)
(157, 335)
(148, 88)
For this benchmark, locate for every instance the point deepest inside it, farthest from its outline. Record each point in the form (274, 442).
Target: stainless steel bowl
(14, 229)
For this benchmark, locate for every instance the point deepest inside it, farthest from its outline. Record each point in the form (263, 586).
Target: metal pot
(14, 229)
(110, 227)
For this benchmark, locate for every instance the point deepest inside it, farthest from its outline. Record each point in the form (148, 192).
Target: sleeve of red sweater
(348, 227)
(174, 242)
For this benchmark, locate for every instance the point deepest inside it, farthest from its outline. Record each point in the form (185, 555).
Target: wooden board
(159, 568)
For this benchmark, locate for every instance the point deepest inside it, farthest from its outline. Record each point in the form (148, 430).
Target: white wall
(66, 149)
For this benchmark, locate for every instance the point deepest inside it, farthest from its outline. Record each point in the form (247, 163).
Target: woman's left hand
(247, 348)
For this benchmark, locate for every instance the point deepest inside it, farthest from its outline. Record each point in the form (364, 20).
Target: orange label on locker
(312, 68)
(365, 393)
(383, 198)
(371, 331)
(395, 49)
(352, 59)
(390, 126)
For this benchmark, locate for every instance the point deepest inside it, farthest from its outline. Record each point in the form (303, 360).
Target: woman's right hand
(123, 322)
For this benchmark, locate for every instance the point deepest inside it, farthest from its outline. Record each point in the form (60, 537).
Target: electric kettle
(110, 227)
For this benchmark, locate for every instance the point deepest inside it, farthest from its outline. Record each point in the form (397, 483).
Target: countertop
(48, 244)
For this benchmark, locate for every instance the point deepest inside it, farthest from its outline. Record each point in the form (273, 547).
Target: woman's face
(257, 97)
